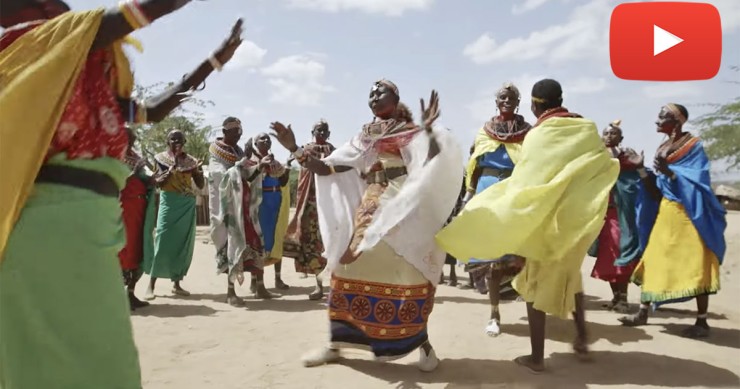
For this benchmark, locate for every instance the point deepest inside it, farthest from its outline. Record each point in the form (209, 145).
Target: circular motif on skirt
(339, 301)
(408, 312)
(360, 307)
(426, 310)
(385, 311)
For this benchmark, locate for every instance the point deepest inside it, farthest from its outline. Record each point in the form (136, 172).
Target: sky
(304, 60)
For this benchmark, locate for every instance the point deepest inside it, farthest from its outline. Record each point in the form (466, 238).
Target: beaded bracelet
(134, 14)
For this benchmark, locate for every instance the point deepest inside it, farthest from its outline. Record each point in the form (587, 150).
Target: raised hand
(227, 49)
(248, 148)
(284, 135)
(661, 165)
(431, 113)
(634, 158)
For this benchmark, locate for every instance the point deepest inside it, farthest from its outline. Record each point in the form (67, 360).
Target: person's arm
(161, 177)
(650, 181)
(122, 20)
(317, 166)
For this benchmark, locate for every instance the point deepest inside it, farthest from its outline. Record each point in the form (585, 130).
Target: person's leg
(453, 275)
(493, 328)
(700, 329)
(231, 297)
(615, 297)
(279, 284)
(317, 293)
(260, 291)
(178, 290)
(638, 319)
(580, 344)
(428, 360)
(131, 277)
(535, 362)
(150, 290)
(621, 305)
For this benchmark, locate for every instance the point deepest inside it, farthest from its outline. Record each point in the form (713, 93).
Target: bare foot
(580, 347)
(530, 364)
(235, 301)
(179, 291)
(317, 294)
(263, 293)
(279, 284)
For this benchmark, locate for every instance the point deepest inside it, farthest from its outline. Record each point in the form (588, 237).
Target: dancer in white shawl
(381, 199)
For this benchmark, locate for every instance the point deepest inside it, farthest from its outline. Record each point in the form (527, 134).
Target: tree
(187, 118)
(720, 131)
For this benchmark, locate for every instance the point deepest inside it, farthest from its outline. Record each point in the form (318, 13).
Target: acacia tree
(720, 131)
(152, 138)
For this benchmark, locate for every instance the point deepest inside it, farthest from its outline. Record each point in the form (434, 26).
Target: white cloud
(248, 111)
(248, 55)
(584, 86)
(385, 7)
(584, 35)
(526, 6)
(297, 80)
(673, 90)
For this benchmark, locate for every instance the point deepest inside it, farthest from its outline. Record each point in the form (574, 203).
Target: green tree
(720, 131)
(152, 138)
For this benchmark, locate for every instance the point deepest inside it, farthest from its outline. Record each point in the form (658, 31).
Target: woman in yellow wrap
(66, 92)
(685, 241)
(495, 152)
(548, 211)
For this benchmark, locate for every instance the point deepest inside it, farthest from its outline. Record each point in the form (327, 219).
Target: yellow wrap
(485, 144)
(553, 205)
(276, 255)
(38, 73)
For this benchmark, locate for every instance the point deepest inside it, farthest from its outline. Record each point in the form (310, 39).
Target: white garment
(408, 221)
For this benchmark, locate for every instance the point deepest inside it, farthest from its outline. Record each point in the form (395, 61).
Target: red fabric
(92, 125)
(609, 250)
(250, 234)
(560, 112)
(133, 204)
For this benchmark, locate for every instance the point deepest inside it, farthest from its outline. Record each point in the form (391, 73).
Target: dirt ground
(201, 342)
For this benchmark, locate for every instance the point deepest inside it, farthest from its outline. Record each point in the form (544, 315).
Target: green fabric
(174, 240)
(64, 316)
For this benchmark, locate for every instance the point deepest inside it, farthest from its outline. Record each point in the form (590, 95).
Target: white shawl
(407, 222)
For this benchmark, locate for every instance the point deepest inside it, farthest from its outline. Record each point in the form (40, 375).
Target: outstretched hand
(431, 113)
(227, 49)
(284, 135)
(634, 158)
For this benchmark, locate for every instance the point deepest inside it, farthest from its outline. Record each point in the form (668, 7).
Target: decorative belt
(384, 175)
(91, 180)
(493, 172)
(271, 189)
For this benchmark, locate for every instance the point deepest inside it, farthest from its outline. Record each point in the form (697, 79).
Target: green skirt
(174, 241)
(64, 316)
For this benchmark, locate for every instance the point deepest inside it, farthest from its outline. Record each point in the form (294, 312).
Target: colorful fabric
(138, 206)
(608, 249)
(382, 301)
(274, 213)
(65, 318)
(236, 231)
(485, 144)
(174, 240)
(224, 153)
(385, 312)
(54, 57)
(679, 267)
(303, 237)
(548, 211)
(507, 131)
(181, 179)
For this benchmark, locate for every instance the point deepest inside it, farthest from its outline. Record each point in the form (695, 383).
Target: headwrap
(388, 84)
(676, 112)
(509, 86)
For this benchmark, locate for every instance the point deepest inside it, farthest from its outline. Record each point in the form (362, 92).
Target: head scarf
(673, 108)
(388, 84)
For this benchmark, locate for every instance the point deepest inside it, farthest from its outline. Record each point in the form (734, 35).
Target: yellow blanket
(485, 144)
(276, 255)
(37, 75)
(551, 207)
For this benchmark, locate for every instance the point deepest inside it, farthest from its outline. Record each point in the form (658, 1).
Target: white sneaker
(492, 329)
(320, 357)
(427, 362)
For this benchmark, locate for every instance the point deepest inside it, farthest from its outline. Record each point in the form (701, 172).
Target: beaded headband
(676, 112)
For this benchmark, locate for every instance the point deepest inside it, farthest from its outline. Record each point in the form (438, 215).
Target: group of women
(538, 197)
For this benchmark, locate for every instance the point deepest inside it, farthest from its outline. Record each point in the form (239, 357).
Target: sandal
(526, 361)
(635, 320)
(580, 347)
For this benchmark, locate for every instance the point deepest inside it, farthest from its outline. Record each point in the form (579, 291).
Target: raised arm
(130, 15)
(285, 136)
(158, 107)
(648, 179)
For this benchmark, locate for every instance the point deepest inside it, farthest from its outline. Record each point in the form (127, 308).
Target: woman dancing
(617, 249)
(495, 152)
(64, 312)
(686, 245)
(379, 229)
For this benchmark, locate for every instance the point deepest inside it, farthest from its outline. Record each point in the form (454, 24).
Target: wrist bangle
(298, 153)
(134, 15)
(331, 169)
(214, 62)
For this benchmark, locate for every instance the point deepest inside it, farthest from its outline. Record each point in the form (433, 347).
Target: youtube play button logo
(671, 41)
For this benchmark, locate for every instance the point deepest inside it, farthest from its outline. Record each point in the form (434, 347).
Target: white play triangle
(663, 40)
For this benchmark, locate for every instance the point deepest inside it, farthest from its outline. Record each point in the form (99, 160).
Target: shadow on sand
(564, 371)
(174, 310)
(564, 331)
(723, 337)
(277, 305)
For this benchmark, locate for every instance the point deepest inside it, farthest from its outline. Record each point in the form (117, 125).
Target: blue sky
(303, 60)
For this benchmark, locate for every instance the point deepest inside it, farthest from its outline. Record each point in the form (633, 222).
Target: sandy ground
(201, 342)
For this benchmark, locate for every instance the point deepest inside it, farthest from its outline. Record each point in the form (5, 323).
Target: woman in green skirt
(175, 236)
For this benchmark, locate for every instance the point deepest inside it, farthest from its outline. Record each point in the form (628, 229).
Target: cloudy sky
(303, 60)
